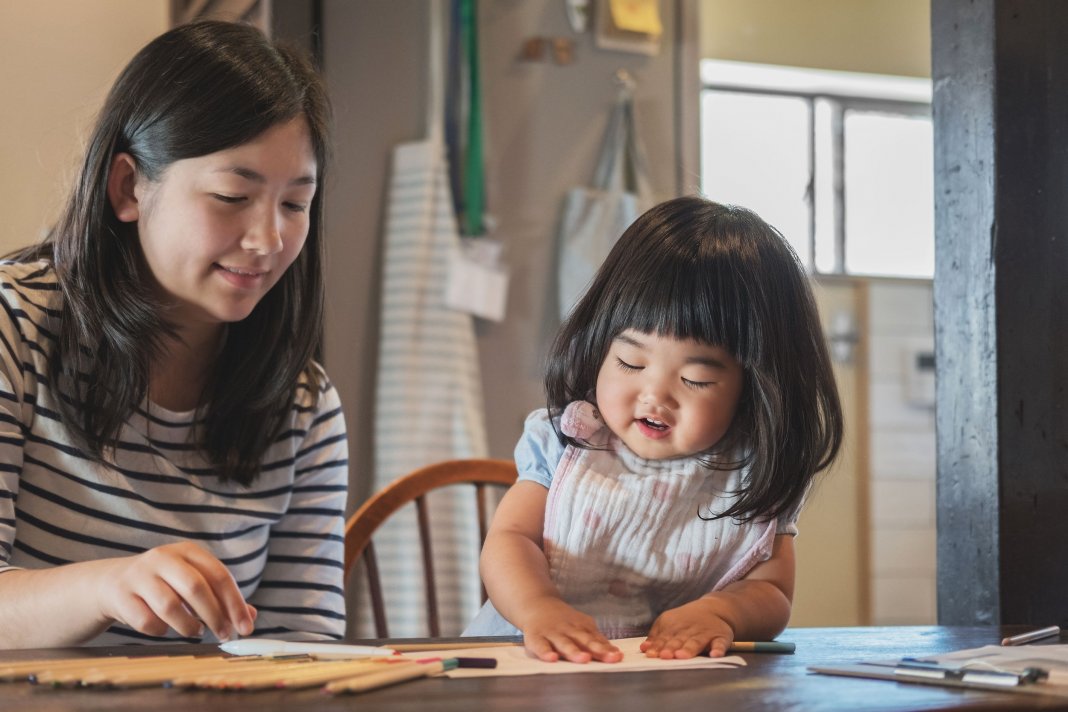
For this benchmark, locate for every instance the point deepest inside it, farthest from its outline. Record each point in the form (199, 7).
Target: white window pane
(826, 242)
(889, 194)
(755, 153)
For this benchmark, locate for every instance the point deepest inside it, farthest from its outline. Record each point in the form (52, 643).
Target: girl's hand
(555, 629)
(687, 631)
(180, 586)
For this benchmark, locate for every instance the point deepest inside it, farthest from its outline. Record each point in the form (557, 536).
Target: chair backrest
(414, 487)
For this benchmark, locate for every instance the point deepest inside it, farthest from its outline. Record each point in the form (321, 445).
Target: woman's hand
(180, 586)
(689, 630)
(555, 630)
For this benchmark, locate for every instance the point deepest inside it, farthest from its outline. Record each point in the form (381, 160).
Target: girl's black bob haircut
(693, 269)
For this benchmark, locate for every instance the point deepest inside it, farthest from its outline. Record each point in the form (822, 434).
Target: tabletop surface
(768, 682)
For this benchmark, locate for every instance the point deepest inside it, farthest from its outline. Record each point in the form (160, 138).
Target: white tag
(476, 282)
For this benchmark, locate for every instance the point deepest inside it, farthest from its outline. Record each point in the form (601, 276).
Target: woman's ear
(122, 182)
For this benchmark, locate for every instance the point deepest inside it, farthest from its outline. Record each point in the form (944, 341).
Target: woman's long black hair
(693, 269)
(197, 89)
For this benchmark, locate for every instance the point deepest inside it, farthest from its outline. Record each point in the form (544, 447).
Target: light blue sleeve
(539, 450)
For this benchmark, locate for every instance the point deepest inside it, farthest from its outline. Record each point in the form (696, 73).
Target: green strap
(474, 177)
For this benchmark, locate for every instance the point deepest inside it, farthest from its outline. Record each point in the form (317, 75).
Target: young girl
(172, 460)
(690, 404)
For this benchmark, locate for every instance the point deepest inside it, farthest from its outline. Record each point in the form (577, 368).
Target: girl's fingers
(540, 647)
(576, 647)
(583, 646)
(678, 646)
(719, 648)
(603, 650)
(690, 648)
(571, 651)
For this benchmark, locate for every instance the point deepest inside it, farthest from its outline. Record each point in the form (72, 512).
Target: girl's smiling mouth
(651, 428)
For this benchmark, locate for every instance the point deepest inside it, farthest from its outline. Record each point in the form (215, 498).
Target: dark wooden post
(1000, 73)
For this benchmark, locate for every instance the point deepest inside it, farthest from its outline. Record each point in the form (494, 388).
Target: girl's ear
(122, 181)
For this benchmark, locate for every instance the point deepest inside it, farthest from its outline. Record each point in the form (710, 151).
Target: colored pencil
(416, 647)
(761, 646)
(397, 674)
(1024, 638)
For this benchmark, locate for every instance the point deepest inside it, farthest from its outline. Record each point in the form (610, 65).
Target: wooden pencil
(415, 647)
(221, 679)
(211, 677)
(72, 675)
(269, 679)
(398, 673)
(10, 672)
(161, 674)
(334, 671)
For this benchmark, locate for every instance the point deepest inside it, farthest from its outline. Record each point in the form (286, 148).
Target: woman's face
(218, 231)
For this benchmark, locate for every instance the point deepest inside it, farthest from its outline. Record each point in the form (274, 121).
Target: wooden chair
(414, 486)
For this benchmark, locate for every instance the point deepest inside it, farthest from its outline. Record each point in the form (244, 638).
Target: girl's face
(667, 397)
(218, 231)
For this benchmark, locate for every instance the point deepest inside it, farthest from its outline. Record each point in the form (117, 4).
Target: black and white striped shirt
(280, 537)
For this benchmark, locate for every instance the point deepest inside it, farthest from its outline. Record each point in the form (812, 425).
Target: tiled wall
(902, 455)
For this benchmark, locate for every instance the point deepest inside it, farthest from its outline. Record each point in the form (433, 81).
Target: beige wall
(57, 60)
(877, 36)
(544, 125)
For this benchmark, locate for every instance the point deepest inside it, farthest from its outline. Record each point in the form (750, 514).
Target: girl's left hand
(687, 631)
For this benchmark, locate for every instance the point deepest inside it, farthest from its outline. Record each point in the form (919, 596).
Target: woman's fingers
(181, 586)
(214, 595)
(165, 605)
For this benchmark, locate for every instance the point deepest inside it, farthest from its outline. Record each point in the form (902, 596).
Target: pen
(275, 648)
(1039, 634)
(464, 662)
(761, 646)
(922, 669)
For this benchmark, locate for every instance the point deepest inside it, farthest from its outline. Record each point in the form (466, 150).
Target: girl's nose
(656, 394)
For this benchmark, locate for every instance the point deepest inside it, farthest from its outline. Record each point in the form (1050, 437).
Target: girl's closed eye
(228, 199)
(697, 384)
(296, 207)
(626, 366)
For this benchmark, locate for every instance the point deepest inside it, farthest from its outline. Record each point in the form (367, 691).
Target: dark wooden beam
(1000, 77)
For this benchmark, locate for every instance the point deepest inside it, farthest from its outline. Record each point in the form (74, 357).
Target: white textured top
(280, 537)
(629, 538)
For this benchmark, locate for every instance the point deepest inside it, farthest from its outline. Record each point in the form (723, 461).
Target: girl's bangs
(681, 298)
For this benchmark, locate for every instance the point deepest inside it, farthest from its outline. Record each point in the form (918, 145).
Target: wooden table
(769, 682)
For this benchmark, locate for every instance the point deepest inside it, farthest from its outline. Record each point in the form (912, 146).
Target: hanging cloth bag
(595, 216)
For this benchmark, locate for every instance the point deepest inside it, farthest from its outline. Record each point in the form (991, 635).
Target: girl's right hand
(180, 586)
(555, 629)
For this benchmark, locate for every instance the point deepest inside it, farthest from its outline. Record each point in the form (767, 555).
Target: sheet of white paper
(515, 661)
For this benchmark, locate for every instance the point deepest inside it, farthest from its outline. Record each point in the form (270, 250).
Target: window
(841, 164)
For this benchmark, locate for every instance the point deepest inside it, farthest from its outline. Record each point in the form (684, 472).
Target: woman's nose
(264, 236)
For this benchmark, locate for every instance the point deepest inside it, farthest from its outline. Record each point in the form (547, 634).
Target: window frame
(900, 96)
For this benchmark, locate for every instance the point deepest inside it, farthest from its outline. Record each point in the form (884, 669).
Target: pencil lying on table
(394, 674)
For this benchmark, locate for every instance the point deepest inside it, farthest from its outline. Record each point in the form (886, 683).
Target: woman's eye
(626, 366)
(228, 199)
(296, 207)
